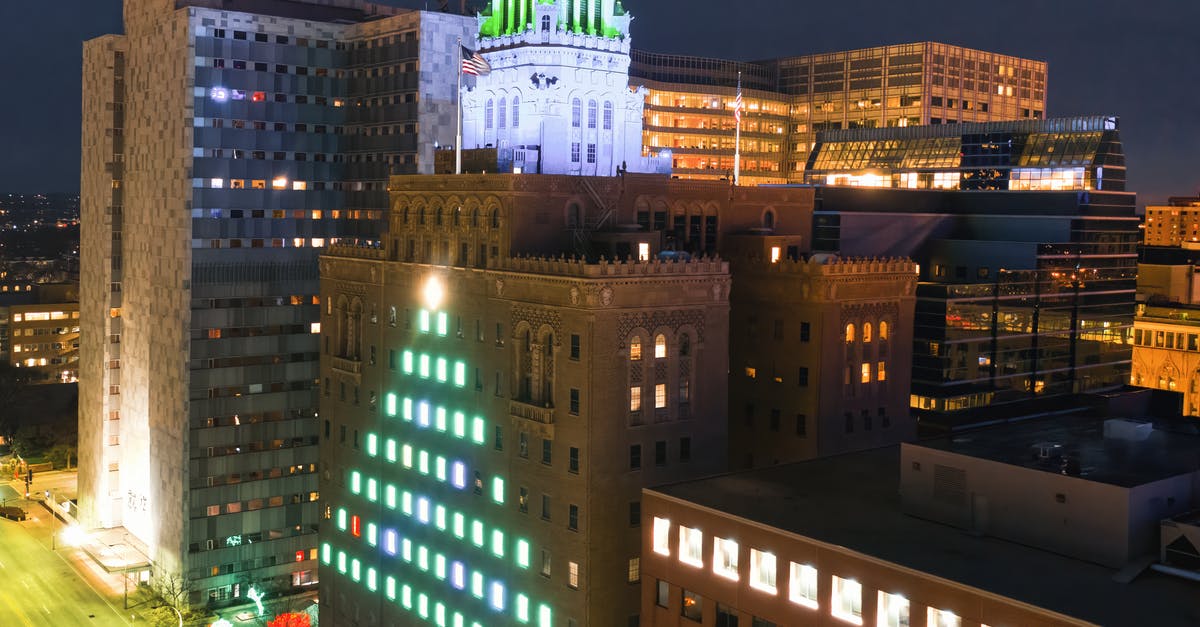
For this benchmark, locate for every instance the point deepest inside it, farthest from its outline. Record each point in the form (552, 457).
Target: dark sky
(1139, 59)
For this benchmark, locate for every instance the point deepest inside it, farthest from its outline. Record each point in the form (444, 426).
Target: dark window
(547, 451)
(749, 414)
(635, 456)
(866, 417)
(663, 596)
(523, 444)
(802, 425)
(884, 419)
(499, 438)
(635, 513)
(574, 346)
(573, 518)
(660, 453)
(849, 422)
(775, 420)
(803, 377)
(391, 359)
(804, 331)
(726, 616)
(779, 329)
(693, 606)
(685, 449)
(573, 460)
(545, 507)
(574, 401)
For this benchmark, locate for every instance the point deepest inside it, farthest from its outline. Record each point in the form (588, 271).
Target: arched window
(405, 214)
(635, 349)
(576, 112)
(487, 114)
(768, 220)
(421, 216)
(457, 216)
(502, 114)
(867, 333)
(883, 330)
(437, 217)
(849, 333)
(516, 111)
(685, 345)
(475, 216)
(660, 346)
(545, 26)
(495, 218)
(592, 114)
(608, 115)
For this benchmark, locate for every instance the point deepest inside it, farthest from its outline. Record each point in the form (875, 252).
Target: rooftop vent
(1127, 430)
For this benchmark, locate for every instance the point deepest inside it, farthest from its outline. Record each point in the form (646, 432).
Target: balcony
(532, 418)
(349, 367)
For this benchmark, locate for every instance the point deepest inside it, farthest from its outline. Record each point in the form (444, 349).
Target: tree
(12, 381)
(291, 619)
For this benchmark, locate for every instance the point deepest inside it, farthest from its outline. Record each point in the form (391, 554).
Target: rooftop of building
(1170, 448)
(1175, 313)
(345, 11)
(1069, 125)
(853, 501)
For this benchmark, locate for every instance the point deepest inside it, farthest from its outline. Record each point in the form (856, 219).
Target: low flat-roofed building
(1166, 353)
(829, 542)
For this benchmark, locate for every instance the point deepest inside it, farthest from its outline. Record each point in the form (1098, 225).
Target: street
(39, 587)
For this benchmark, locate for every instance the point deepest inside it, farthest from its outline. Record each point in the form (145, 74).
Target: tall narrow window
(866, 333)
(725, 558)
(516, 112)
(883, 330)
(661, 536)
(592, 114)
(635, 349)
(802, 585)
(502, 113)
(660, 346)
(762, 571)
(846, 600)
(608, 116)
(691, 546)
(487, 114)
(576, 112)
(849, 333)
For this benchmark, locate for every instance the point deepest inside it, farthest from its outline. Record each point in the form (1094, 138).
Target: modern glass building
(1027, 245)
(689, 106)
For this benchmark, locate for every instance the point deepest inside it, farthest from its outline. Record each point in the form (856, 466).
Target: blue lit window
(458, 575)
(442, 369)
(544, 616)
(406, 362)
(423, 367)
(326, 553)
(423, 414)
(423, 510)
(355, 569)
(406, 596)
(389, 450)
(458, 475)
(389, 541)
(497, 595)
(389, 496)
(389, 587)
(423, 321)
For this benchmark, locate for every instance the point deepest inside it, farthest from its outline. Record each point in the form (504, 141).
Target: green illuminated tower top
(600, 18)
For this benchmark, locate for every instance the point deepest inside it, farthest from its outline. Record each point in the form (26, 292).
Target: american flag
(738, 104)
(473, 63)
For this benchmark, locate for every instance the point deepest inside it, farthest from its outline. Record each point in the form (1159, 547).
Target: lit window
(762, 571)
(217, 183)
(660, 395)
(942, 618)
(660, 346)
(802, 585)
(662, 532)
(881, 374)
(498, 490)
(635, 349)
(497, 596)
(635, 398)
(892, 611)
(523, 553)
(846, 600)
(849, 333)
(522, 608)
(776, 253)
(866, 373)
(643, 251)
(691, 543)
(279, 182)
(573, 574)
(883, 330)
(725, 558)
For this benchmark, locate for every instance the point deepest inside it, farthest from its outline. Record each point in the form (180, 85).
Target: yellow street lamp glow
(74, 535)
(433, 293)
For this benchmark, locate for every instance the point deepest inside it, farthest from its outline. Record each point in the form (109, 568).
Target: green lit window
(423, 321)
(423, 366)
(372, 490)
(389, 587)
(341, 518)
(372, 444)
(406, 455)
(389, 496)
(407, 414)
(522, 608)
(477, 532)
(355, 482)
(439, 419)
(423, 605)
(460, 425)
(406, 362)
(477, 430)
(406, 503)
(372, 584)
(460, 374)
(389, 450)
(355, 569)
(406, 596)
(389, 404)
(460, 525)
(442, 371)
(342, 562)
(498, 490)
(423, 557)
(441, 468)
(406, 550)
(443, 324)
(523, 553)
(439, 566)
(497, 543)
(545, 619)
(477, 584)
(439, 615)
(372, 534)
(326, 553)
(439, 517)
(423, 462)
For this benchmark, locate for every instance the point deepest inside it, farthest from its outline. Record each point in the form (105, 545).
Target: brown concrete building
(41, 332)
(820, 354)
(879, 537)
(1175, 224)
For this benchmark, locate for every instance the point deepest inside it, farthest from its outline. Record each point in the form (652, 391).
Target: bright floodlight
(433, 293)
(74, 535)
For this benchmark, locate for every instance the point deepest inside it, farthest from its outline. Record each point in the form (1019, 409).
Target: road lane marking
(12, 606)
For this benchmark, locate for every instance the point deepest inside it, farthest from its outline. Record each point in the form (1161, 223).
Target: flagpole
(737, 142)
(459, 135)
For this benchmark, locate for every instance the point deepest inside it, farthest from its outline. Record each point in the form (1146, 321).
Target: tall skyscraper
(225, 144)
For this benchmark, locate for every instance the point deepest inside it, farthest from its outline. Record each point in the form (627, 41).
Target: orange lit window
(258, 184)
(635, 349)
(237, 184)
(258, 96)
(214, 334)
(355, 526)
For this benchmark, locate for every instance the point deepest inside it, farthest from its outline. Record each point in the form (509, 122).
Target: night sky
(1137, 59)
